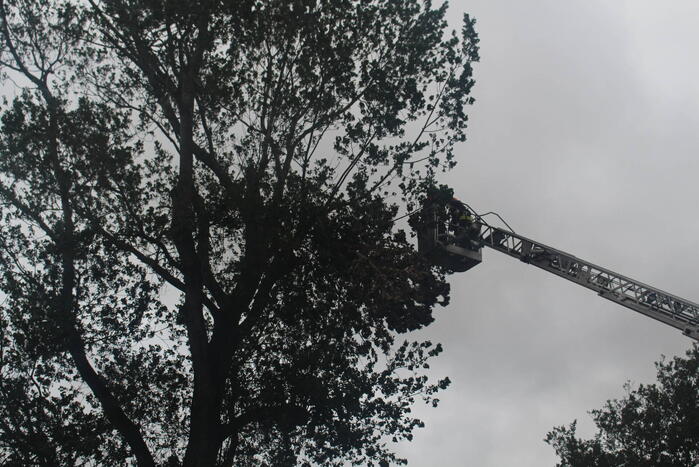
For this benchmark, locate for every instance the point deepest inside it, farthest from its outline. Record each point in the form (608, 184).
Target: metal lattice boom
(655, 303)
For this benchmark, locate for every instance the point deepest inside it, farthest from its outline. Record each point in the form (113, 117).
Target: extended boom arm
(675, 311)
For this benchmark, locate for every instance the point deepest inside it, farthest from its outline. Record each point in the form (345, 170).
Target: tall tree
(200, 259)
(653, 425)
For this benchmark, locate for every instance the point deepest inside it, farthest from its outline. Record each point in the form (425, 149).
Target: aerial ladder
(458, 250)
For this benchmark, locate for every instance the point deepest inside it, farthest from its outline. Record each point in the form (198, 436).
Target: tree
(199, 254)
(653, 425)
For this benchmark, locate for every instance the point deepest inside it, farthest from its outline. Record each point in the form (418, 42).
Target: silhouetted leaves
(199, 259)
(654, 425)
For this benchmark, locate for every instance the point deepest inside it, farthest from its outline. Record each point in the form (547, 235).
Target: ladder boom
(655, 303)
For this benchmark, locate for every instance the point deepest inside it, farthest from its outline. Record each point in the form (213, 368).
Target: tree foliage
(200, 264)
(653, 425)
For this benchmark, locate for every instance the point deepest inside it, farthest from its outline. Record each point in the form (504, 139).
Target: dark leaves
(310, 124)
(656, 424)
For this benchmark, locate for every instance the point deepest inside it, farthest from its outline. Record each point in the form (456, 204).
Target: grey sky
(584, 137)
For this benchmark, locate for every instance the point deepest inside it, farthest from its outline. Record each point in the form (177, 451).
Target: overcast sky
(584, 137)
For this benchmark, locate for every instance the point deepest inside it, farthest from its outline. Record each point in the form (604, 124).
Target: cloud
(583, 137)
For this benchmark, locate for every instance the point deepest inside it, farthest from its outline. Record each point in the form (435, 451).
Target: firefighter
(456, 216)
(466, 229)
